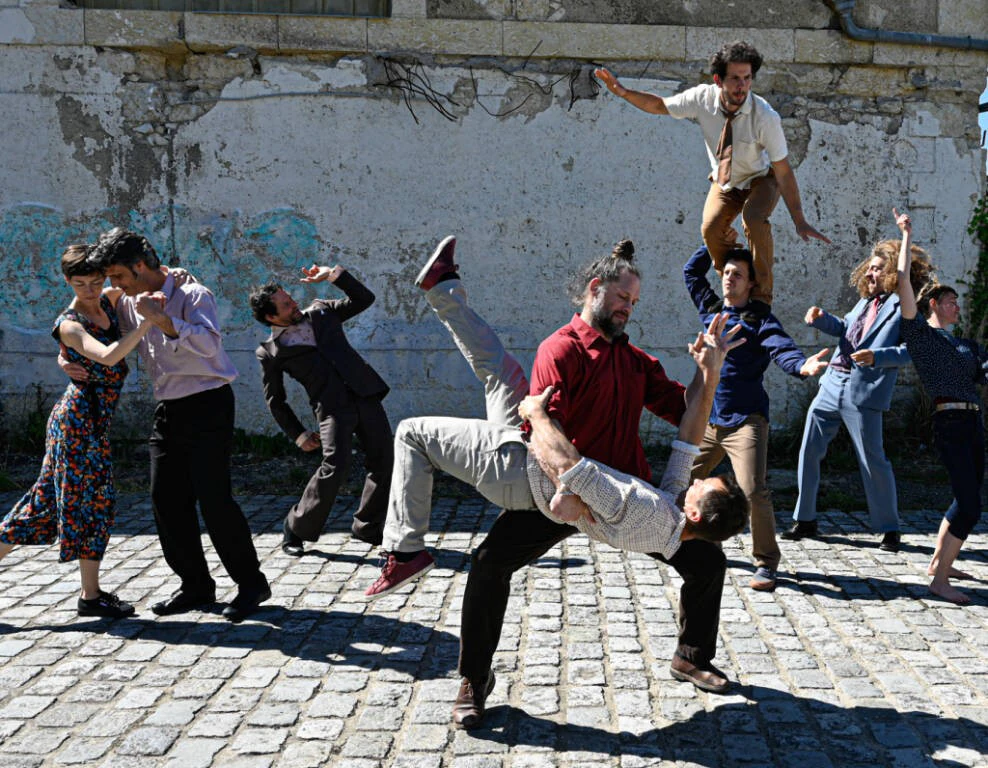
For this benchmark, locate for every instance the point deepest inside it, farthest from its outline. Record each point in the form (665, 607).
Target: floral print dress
(73, 499)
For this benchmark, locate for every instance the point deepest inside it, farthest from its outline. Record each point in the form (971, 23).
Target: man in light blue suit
(856, 389)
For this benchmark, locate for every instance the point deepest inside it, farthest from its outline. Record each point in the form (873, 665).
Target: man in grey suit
(856, 389)
(345, 394)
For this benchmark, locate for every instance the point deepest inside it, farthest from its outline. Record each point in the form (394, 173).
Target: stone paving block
(148, 741)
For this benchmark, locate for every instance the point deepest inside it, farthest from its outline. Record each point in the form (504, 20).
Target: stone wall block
(775, 45)
(468, 9)
(921, 121)
(310, 33)
(449, 36)
(920, 55)
(828, 46)
(871, 81)
(160, 30)
(898, 15)
(919, 154)
(40, 25)
(210, 32)
(597, 41)
(963, 17)
(408, 9)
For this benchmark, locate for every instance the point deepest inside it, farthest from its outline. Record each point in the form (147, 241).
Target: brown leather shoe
(706, 678)
(468, 711)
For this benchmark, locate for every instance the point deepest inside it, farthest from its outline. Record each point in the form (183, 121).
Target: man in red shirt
(602, 383)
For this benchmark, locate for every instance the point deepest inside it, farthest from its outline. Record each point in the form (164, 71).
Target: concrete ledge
(594, 41)
(439, 36)
(37, 24)
(828, 47)
(47, 25)
(778, 46)
(316, 34)
(132, 29)
(206, 31)
(920, 55)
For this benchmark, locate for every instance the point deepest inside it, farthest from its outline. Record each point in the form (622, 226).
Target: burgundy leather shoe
(438, 265)
(468, 711)
(706, 678)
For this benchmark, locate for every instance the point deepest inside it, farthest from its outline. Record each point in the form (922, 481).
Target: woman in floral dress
(73, 499)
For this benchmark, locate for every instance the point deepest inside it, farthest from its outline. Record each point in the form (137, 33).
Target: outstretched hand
(903, 222)
(815, 364)
(315, 274)
(711, 347)
(806, 231)
(813, 314)
(609, 80)
(533, 405)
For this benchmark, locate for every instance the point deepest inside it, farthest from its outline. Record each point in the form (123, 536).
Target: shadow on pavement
(336, 638)
(797, 732)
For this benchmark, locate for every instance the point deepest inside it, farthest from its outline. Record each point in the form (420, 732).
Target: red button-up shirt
(601, 388)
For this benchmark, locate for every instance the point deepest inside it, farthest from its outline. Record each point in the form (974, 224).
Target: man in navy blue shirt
(739, 424)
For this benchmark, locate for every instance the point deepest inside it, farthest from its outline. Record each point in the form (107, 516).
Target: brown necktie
(724, 149)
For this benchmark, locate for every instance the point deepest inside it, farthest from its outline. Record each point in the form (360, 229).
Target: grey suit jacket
(331, 372)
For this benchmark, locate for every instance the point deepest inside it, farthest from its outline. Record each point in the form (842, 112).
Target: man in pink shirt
(192, 433)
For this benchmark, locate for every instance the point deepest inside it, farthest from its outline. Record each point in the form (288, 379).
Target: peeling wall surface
(246, 148)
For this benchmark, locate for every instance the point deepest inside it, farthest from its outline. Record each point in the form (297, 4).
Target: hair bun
(624, 250)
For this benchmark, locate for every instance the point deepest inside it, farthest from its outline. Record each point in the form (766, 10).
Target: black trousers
(520, 536)
(191, 440)
(365, 417)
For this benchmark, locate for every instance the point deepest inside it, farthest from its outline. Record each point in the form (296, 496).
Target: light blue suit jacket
(869, 386)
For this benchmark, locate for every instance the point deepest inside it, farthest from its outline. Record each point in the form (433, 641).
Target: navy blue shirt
(741, 392)
(949, 367)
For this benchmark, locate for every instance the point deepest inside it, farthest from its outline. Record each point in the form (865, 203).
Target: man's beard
(606, 323)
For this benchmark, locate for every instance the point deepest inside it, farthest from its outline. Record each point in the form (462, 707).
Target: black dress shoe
(290, 543)
(182, 601)
(801, 529)
(246, 602)
(471, 701)
(890, 542)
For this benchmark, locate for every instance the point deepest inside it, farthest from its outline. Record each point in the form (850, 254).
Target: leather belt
(957, 406)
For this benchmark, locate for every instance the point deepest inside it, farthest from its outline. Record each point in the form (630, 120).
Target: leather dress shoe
(469, 709)
(801, 529)
(891, 541)
(290, 543)
(247, 601)
(706, 678)
(182, 601)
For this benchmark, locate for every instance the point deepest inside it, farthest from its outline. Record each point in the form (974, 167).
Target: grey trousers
(488, 454)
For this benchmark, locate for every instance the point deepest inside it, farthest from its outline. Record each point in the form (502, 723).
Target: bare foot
(954, 573)
(947, 592)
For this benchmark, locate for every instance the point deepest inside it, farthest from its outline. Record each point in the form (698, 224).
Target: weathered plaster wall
(247, 147)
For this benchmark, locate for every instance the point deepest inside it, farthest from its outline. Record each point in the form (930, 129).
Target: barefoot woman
(950, 368)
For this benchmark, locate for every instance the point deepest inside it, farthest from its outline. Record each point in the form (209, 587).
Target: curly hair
(737, 52)
(722, 513)
(261, 304)
(919, 270)
(75, 263)
(123, 247)
(607, 269)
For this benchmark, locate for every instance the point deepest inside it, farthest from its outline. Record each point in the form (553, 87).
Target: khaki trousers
(747, 448)
(755, 205)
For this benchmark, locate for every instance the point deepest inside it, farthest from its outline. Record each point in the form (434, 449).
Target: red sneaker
(395, 575)
(440, 263)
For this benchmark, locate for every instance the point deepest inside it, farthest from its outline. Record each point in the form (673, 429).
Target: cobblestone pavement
(848, 663)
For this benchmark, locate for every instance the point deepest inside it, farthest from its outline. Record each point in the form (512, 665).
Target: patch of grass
(262, 447)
